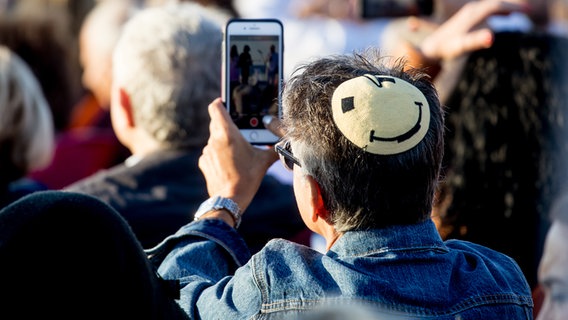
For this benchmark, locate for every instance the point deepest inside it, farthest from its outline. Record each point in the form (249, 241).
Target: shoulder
(478, 258)
(466, 247)
(280, 252)
(274, 262)
(98, 181)
(130, 175)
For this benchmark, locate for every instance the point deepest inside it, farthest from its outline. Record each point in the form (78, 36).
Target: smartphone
(252, 75)
(370, 9)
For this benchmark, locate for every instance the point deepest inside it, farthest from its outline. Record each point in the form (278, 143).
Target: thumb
(274, 125)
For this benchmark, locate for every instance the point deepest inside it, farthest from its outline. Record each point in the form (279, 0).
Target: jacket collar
(415, 237)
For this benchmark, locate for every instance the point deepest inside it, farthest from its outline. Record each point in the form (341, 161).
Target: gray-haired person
(364, 139)
(166, 68)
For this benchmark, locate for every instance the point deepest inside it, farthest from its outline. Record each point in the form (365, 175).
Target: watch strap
(220, 203)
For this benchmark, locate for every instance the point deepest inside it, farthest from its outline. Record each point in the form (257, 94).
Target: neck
(142, 146)
(331, 235)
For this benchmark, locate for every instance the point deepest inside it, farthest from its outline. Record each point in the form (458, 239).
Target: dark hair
(360, 189)
(43, 42)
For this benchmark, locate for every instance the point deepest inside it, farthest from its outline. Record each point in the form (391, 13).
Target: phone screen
(253, 73)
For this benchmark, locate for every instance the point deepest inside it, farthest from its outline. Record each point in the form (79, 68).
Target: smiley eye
(347, 104)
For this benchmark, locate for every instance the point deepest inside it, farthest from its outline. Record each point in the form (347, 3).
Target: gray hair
(168, 60)
(26, 122)
(361, 190)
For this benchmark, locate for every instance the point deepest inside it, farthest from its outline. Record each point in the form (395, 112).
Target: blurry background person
(87, 143)
(41, 36)
(88, 134)
(553, 269)
(166, 70)
(26, 128)
(98, 36)
(244, 64)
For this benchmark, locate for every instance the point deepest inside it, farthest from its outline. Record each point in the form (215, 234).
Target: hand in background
(466, 31)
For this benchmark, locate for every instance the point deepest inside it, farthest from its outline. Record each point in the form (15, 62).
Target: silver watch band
(218, 203)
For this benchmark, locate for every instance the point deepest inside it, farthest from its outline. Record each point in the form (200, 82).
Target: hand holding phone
(252, 75)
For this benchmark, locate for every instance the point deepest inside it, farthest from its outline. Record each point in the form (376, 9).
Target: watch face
(218, 203)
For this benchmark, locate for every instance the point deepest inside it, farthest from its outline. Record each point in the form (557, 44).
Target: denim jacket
(407, 271)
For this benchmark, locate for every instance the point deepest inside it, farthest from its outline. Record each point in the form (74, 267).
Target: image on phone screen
(252, 76)
(254, 73)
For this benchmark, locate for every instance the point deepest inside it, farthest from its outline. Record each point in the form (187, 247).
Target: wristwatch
(218, 203)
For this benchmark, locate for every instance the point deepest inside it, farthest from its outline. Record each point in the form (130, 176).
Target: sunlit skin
(553, 274)
(96, 62)
(312, 208)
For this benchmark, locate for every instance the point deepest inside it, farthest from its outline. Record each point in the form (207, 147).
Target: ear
(316, 201)
(126, 107)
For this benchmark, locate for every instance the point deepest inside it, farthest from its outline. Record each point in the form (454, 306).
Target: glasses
(286, 156)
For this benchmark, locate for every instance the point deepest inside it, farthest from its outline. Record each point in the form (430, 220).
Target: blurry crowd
(69, 121)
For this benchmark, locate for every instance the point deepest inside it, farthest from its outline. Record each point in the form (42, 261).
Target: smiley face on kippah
(381, 114)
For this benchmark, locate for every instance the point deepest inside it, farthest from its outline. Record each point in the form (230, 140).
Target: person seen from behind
(166, 68)
(364, 139)
(27, 132)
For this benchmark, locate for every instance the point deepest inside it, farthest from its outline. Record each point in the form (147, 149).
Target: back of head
(71, 256)
(26, 126)
(364, 187)
(168, 60)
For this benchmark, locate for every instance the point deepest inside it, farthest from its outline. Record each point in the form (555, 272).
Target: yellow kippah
(381, 114)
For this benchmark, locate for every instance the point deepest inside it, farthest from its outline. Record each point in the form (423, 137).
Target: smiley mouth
(404, 136)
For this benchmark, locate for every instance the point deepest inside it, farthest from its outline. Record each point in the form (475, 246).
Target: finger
(213, 115)
(218, 110)
(472, 41)
(476, 12)
(480, 39)
(484, 9)
(221, 123)
(216, 114)
(274, 125)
